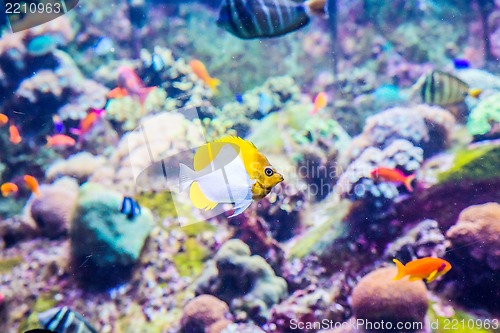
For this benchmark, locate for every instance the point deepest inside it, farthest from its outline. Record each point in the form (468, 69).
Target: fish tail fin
(475, 92)
(75, 131)
(214, 84)
(401, 270)
(47, 145)
(317, 7)
(408, 183)
(144, 93)
(186, 176)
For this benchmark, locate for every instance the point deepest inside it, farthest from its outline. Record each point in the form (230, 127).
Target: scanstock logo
(26, 14)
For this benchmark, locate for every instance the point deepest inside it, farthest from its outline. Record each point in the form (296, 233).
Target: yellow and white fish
(228, 170)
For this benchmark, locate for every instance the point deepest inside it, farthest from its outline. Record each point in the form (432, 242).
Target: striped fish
(130, 208)
(248, 19)
(64, 320)
(440, 88)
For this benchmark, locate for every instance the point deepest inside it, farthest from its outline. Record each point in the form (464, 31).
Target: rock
(205, 314)
(52, 211)
(247, 283)
(479, 225)
(105, 244)
(377, 297)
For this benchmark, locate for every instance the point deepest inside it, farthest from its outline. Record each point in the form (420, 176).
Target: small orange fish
(15, 137)
(393, 175)
(130, 84)
(32, 184)
(88, 122)
(60, 140)
(320, 102)
(8, 189)
(425, 268)
(201, 72)
(3, 119)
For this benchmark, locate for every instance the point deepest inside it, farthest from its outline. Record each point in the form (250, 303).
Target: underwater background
(382, 116)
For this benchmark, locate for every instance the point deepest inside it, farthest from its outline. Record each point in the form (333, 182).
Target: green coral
(460, 322)
(484, 115)
(190, 261)
(319, 236)
(479, 163)
(6, 265)
(43, 303)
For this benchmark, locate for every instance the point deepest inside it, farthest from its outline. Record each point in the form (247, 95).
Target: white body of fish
(224, 180)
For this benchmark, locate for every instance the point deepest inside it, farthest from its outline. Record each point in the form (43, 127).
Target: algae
(327, 231)
(43, 303)
(6, 265)
(190, 261)
(460, 322)
(473, 164)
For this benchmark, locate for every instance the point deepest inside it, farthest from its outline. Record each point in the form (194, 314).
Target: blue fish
(130, 208)
(265, 103)
(461, 63)
(58, 124)
(239, 98)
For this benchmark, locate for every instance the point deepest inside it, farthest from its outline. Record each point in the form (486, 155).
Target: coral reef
(205, 314)
(79, 166)
(485, 117)
(247, 283)
(103, 240)
(377, 297)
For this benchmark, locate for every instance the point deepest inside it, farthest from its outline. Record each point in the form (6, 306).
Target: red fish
(60, 140)
(425, 268)
(8, 189)
(88, 122)
(394, 176)
(3, 119)
(15, 137)
(32, 184)
(320, 102)
(130, 84)
(201, 72)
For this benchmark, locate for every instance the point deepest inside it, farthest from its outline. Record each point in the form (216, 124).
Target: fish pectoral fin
(240, 207)
(199, 199)
(432, 276)
(415, 278)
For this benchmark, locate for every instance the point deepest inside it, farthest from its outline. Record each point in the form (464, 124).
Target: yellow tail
(213, 84)
(475, 92)
(317, 7)
(401, 269)
(408, 182)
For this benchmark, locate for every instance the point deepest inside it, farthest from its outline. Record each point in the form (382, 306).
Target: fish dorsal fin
(199, 199)
(432, 276)
(207, 153)
(248, 151)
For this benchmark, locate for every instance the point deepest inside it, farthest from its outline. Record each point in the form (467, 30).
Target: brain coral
(205, 314)
(377, 297)
(478, 229)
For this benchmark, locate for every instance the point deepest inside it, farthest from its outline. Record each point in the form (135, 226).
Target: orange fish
(394, 176)
(3, 119)
(130, 84)
(15, 138)
(425, 268)
(8, 189)
(60, 140)
(201, 72)
(88, 122)
(32, 184)
(320, 102)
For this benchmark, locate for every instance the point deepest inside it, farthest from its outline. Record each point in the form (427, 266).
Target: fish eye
(269, 172)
